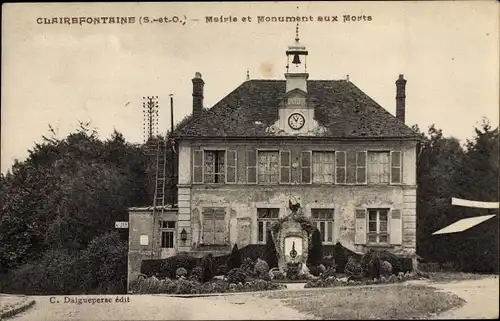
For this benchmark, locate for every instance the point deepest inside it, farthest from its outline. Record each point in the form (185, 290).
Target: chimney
(198, 84)
(400, 98)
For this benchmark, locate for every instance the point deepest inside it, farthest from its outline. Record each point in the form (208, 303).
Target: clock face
(296, 121)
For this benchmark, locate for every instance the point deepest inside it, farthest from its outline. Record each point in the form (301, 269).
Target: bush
(261, 268)
(181, 272)
(222, 270)
(386, 269)
(339, 256)
(353, 268)
(315, 255)
(236, 276)
(153, 285)
(271, 256)
(276, 274)
(234, 261)
(207, 268)
(196, 274)
(292, 271)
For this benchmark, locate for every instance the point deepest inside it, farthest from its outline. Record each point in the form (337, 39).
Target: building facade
(322, 143)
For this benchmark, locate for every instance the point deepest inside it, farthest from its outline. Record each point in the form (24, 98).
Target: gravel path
(481, 296)
(156, 307)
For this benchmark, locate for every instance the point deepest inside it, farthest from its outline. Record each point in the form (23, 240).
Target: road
(481, 296)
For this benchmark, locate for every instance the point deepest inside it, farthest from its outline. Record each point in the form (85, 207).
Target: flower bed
(333, 281)
(154, 285)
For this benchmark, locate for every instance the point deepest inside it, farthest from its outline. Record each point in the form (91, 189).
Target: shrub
(292, 271)
(234, 261)
(339, 256)
(181, 272)
(236, 276)
(276, 274)
(271, 256)
(207, 268)
(222, 270)
(315, 255)
(386, 269)
(248, 266)
(196, 274)
(261, 268)
(353, 268)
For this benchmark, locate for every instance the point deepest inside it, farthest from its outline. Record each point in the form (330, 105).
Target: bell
(296, 60)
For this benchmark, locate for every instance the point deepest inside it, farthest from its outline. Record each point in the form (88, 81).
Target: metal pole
(172, 161)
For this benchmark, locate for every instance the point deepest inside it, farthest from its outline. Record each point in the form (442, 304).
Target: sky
(60, 74)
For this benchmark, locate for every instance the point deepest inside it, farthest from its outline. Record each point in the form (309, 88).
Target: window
(167, 234)
(213, 168)
(323, 167)
(378, 167)
(265, 217)
(323, 218)
(214, 226)
(269, 169)
(396, 167)
(377, 226)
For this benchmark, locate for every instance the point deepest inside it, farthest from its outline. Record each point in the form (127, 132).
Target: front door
(214, 226)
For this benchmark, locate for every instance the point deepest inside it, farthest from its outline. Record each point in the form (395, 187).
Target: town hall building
(325, 144)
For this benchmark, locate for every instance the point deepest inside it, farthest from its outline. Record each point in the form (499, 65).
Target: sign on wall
(144, 240)
(121, 224)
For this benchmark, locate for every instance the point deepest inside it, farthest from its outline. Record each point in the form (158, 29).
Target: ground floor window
(214, 226)
(265, 217)
(167, 234)
(324, 218)
(377, 225)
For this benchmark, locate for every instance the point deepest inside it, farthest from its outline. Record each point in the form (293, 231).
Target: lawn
(387, 302)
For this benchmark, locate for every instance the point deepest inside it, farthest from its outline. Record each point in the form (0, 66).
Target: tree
(315, 256)
(271, 256)
(234, 260)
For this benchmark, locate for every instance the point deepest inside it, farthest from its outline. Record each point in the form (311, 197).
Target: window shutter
(395, 167)
(208, 226)
(251, 162)
(198, 166)
(351, 167)
(340, 167)
(396, 230)
(361, 167)
(306, 167)
(231, 161)
(360, 234)
(285, 167)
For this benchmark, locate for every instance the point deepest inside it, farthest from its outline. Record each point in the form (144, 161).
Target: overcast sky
(60, 74)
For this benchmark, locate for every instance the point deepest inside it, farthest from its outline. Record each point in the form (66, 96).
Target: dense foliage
(315, 256)
(234, 260)
(271, 256)
(445, 169)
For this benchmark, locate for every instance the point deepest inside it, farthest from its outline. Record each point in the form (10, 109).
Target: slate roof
(340, 106)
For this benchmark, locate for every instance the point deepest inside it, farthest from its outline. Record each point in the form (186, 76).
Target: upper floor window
(323, 167)
(323, 218)
(378, 167)
(377, 225)
(268, 166)
(214, 166)
(265, 217)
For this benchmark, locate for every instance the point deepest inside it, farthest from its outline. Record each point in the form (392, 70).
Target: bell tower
(296, 70)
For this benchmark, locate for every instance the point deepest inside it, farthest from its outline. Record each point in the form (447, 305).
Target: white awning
(463, 224)
(476, 204)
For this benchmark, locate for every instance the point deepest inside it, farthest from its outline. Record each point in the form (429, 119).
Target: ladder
(159, 194)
